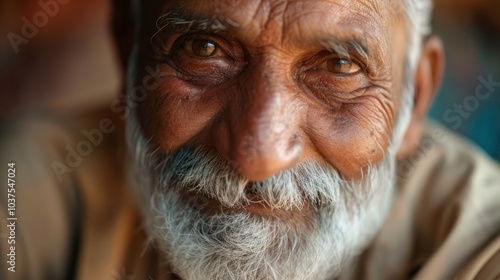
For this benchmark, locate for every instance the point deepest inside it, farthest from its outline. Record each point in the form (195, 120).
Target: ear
(427, 80)
(123, 29)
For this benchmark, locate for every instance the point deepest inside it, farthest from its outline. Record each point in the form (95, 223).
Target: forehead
(289, 17)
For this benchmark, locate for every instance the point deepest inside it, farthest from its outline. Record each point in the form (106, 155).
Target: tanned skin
(265, 93)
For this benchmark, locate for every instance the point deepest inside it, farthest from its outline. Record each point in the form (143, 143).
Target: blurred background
(69, 68)
(470, 30)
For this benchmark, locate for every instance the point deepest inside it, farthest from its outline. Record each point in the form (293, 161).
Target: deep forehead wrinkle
(254, 16)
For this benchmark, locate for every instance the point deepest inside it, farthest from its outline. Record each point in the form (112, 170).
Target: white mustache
(203, 171)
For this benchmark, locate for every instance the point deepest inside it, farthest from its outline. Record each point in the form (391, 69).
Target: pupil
(208, 47)
(204, 48)
(343, 66)
(342, 63)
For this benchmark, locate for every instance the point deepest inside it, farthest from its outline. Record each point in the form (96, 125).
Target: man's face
(264, 146)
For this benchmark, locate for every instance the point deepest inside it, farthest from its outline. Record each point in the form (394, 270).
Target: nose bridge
(266, 114)
(264, 133)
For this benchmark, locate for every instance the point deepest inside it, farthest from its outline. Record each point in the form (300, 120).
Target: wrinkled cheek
(174, 113)
(351, 140)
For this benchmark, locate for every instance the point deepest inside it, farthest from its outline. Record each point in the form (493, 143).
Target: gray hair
(419, 14)
(418, 17)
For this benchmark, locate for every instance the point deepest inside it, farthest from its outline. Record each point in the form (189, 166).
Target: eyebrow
(180, 21)
(345, 47)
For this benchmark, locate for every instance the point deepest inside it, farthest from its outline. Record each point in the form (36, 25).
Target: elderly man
(287, 140)
(267, 146)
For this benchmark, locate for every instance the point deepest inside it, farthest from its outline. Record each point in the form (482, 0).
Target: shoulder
(455, 190)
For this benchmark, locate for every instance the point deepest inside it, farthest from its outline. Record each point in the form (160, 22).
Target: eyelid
(353, 59)
(182, 40)
(313, 62)
(226, 47)
(340, 73)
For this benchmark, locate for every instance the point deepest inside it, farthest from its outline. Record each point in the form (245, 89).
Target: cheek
(175, 112)
(353, 137)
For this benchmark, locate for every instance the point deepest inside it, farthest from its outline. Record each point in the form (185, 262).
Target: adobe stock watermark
(454, 117)
(31, 28)
(75, 155)
(84, 148)
(137, 94)
(407, 166)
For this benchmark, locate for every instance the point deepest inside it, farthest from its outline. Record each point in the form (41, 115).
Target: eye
(342, 66)
(203, 47)
(205, 59)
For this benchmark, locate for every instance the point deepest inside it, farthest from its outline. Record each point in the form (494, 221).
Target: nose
(263, 128)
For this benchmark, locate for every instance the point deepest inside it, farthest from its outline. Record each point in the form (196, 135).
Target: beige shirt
(444, 224)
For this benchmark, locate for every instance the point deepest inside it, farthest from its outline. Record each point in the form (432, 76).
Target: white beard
(201, 245)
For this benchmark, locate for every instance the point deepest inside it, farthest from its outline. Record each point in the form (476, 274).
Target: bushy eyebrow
(178, 20)
(181, 21)
(344, 48)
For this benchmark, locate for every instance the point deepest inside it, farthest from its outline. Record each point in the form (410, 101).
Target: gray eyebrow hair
(181, 21)
(345, 48)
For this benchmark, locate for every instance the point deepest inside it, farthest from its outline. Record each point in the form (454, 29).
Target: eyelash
(179, 41)
(324, 56)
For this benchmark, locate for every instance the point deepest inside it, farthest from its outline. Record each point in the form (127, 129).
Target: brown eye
(204, 48)
(342, 66)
